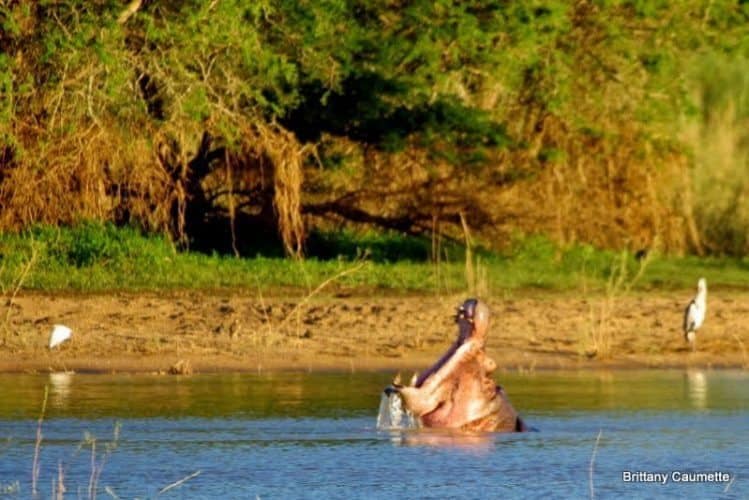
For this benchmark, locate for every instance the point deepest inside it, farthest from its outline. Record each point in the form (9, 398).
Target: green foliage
(92, 257)
(381, 247)
(467, 83)
(414, 70)
(90, 242)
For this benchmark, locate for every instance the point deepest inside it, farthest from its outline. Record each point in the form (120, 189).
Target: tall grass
(598, 340)
(92, 257)
(98, 461)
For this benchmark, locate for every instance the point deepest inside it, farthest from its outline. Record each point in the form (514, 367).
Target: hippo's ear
(414, 379)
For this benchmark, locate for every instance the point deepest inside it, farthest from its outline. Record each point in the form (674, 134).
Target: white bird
(60, 333)
(694, 315)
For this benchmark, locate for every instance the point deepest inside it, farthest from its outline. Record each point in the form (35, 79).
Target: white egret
(60, 333)
(694, 315)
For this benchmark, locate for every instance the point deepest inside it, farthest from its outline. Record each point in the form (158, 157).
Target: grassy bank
(99, 258)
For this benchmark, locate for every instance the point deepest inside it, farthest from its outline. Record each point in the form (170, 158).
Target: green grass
(92, 257)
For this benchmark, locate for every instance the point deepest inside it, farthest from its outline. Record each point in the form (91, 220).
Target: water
(314, 436)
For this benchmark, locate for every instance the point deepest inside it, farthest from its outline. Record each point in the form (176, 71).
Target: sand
(194, 332)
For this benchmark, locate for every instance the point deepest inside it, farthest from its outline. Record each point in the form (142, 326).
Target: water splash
(392, 415)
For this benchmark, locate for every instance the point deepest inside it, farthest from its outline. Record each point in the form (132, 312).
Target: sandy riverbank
(229, 331)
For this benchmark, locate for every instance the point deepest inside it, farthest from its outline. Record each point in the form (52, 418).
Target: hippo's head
(458, 391)
(472, 318)
(473, 321)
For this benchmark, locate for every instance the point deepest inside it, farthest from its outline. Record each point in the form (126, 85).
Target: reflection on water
(697, 388)
(476, 442)
(315, 436)
(59, 388)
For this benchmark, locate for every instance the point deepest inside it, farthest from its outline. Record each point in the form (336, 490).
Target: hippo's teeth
(414, 379)
(397, 379)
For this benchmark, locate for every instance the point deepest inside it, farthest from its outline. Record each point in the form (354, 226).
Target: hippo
(458, 392)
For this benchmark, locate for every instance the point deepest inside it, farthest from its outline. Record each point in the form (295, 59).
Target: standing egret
(694, 315)
(60, 333)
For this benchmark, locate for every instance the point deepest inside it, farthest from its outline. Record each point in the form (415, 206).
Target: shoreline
(120, 366)
(224, 331)
(194, 362)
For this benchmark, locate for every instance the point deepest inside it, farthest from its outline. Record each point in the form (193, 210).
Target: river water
(294, 435)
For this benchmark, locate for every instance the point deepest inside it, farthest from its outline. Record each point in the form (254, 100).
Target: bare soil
(228, 331)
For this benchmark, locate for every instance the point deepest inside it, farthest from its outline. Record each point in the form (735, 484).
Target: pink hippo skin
(458, 392)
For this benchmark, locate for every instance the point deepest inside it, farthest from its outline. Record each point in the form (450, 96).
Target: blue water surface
(314, 436)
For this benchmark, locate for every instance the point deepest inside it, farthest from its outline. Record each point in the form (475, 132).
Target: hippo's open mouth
(458, 390)
(464, 319)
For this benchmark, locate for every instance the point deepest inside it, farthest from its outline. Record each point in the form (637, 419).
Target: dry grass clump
(181, 367)
(259, 177)
(599, 335)
(92, 174)
(157, 183)
(287, 157)
(604, 191)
